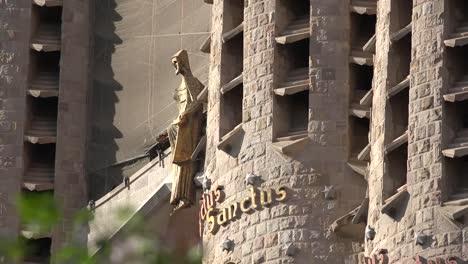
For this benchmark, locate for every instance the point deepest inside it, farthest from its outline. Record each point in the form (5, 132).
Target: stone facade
(429, 132)
(356, 108)
(413, 131)
(45, 48)
(14, 55)
(304, 221)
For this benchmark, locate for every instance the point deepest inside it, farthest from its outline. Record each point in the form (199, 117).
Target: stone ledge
(34, 235)
(459, 91)
(200, 146)
(401, 33)
(233, 33)
(360, 167)
(291, 144)
(298, 30)
(366, 100)
(361, 57)
(456, 209)
(232, 84)
(362, 7)
(353, 224)
(227, 140)
(292, 88)
(360, 111)
(396, 143)
(459, 38)
(459, 146)
(206, 46)
(365, 153)
(48, 3)
(43, 93)
(399, 87)
(370, 44)
(395, 200)
(38, 186)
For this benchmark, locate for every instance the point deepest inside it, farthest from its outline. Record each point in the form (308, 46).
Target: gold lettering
(243, 207)
(222, 217)
(265, 202)
(202, 209)
(209, 200)
(254, 195)
(217, 194)
(211, 220)
(232, 211)
(281, 194)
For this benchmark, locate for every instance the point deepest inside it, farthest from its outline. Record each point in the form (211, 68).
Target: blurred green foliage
(39, 214)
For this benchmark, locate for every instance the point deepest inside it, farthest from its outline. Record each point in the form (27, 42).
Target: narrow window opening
(46, 28)
(44, 73)
(38, 250)
(232, 59)
(398, 106)
(293, 63)
(456, 149)
(397, 165)
(360, 80)
(457, 21)
(363, 29)
(233, 14)
(293, 113)
(403, 16)
(396, 148)
(40, 158)
(42, 116)
(457, 183)
(400, 55)
(361, 73)
(293, 21)
(292, 89)
(231, 110)
(359, 137)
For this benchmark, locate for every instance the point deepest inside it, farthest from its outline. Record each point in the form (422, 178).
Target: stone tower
(357, 108)
(285, 86)
(45, 47)
(417, 187)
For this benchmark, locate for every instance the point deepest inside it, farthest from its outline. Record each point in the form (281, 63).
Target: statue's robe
(184, 138)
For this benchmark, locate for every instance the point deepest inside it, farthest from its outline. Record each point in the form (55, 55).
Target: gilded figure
(184, 132)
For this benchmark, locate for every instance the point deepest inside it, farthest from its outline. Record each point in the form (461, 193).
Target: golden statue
(184, 132)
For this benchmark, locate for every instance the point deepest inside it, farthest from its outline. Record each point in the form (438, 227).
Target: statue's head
(181, 63)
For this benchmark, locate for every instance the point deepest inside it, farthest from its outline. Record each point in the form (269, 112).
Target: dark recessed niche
(38, 250)
(398, 107)
(290, 11)
(231, 110)
(39, 155)
(359, 137)
(292, 113)
(397, 168)
(233, 14)
(362, 29)
(48, 62)
(402, 15)
(400, 60)
(232, 64)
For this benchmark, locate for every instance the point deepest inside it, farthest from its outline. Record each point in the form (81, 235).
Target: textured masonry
(305, 165)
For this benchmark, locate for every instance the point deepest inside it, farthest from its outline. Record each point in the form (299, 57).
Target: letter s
(211, 220)
(281, 194)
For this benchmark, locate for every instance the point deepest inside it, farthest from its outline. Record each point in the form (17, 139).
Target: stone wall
(427, 176)
(14, 56)
(304, 220)
(71, 189)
